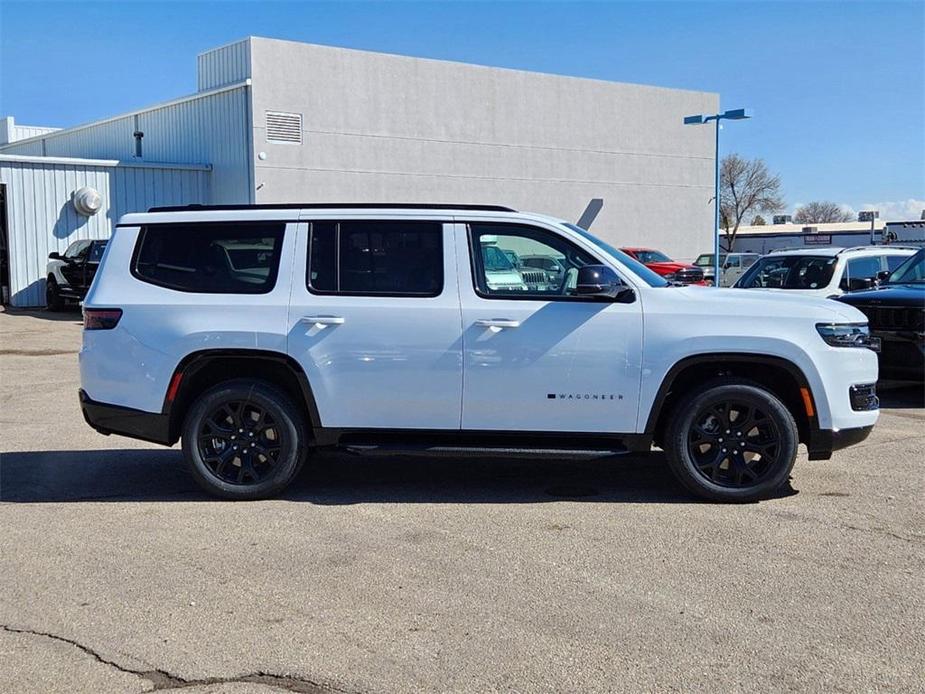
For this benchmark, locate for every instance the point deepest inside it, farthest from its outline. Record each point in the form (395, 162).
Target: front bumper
(822, 442)
(125, 421)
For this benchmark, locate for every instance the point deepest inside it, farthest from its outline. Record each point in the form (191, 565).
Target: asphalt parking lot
(408, 574)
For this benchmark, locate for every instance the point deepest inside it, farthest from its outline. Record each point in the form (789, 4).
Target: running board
(481, 451)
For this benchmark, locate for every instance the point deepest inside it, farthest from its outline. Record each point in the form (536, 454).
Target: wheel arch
(779, 375)
(203, 369)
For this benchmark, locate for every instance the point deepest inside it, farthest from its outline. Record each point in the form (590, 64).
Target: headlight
(671, 277)
(846, 334)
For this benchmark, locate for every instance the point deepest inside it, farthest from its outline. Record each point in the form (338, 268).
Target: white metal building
(279, 121)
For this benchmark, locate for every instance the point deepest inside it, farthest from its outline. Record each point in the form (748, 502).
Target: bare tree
(821, 212)
(746, 186)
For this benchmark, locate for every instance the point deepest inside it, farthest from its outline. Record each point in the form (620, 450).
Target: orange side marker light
(807, 402)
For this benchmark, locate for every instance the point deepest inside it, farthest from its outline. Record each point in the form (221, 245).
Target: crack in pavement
(163, 680)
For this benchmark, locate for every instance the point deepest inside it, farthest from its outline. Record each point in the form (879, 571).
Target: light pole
(700, 119)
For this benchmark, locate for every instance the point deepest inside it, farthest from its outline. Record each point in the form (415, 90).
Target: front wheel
(732, 442)
(53, 300)
(244, 439)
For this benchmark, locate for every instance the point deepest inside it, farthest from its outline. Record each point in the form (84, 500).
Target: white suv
(824, 272)
(260, 334)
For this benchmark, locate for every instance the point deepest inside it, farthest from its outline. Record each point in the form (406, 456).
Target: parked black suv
(69, 274)
(896, 314)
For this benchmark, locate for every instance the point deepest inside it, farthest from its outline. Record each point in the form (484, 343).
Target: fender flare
(194, 362)
(719, 357)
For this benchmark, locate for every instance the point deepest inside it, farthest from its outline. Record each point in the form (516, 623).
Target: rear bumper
(823, 442)
(125, 421)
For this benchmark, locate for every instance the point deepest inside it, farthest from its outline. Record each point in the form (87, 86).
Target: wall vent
(284, 127)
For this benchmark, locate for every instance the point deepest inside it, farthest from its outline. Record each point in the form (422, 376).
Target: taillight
(101, 318)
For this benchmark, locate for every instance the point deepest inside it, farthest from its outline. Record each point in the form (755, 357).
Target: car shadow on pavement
(335, 478)
(69, 314)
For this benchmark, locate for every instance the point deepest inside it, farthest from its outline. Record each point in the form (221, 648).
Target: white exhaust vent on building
(284, 127)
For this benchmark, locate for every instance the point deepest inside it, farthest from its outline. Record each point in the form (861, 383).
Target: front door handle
(497, 323)
(323, 320)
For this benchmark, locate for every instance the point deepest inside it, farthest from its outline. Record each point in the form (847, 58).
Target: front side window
(651, 278)
(369, 258)
(549, 263)
(96, 251)
(860, 268)
(894, 261)
(210, 258)
(790, 272)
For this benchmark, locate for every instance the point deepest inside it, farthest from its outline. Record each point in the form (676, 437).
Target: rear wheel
(733, 441)
(53, 300)
(244, 439)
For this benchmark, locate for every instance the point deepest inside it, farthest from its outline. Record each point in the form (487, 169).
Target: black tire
(719, 461)
(244, 439)
(53, 300)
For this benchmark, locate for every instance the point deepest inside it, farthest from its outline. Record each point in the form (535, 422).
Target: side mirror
(54, 255)
(856, 283)
(884, 275)
(600, 281)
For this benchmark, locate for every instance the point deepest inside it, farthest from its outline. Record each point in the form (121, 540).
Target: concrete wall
(42, 219)
(382, 127)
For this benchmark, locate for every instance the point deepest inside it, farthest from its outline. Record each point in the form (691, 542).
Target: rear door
(374, 321)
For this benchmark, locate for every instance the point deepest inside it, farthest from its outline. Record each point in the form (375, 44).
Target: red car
(658, 262)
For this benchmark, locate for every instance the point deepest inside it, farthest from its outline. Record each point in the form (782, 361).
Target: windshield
(651, 257)
(913, 270)
(790, 272)
(706, 260)
(631, 264)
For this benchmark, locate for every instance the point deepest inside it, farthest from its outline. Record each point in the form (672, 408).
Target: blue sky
(838, 89)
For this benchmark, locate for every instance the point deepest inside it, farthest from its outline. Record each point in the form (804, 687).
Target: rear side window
(373, 258)
(212, 258)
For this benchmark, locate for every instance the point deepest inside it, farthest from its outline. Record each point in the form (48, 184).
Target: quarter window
(370, 258)
(549, 263)
(210, 258)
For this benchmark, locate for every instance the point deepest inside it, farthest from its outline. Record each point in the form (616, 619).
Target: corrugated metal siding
(21, 132)
(209, 130)
(41, 218)
(224, 65)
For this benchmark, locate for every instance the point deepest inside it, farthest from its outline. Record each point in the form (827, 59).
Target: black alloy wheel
(240, 442)
(244, 439)
(731, 441)
(53, 300)
(734, 444)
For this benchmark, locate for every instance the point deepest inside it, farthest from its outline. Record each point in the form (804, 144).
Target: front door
(536, 356)
(374, 321)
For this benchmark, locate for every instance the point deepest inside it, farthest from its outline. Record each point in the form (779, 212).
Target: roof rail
(802, 248)
(881, 245)
(333, 206)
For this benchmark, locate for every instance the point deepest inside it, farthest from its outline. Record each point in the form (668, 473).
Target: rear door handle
(323, 320)
(497, 323)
